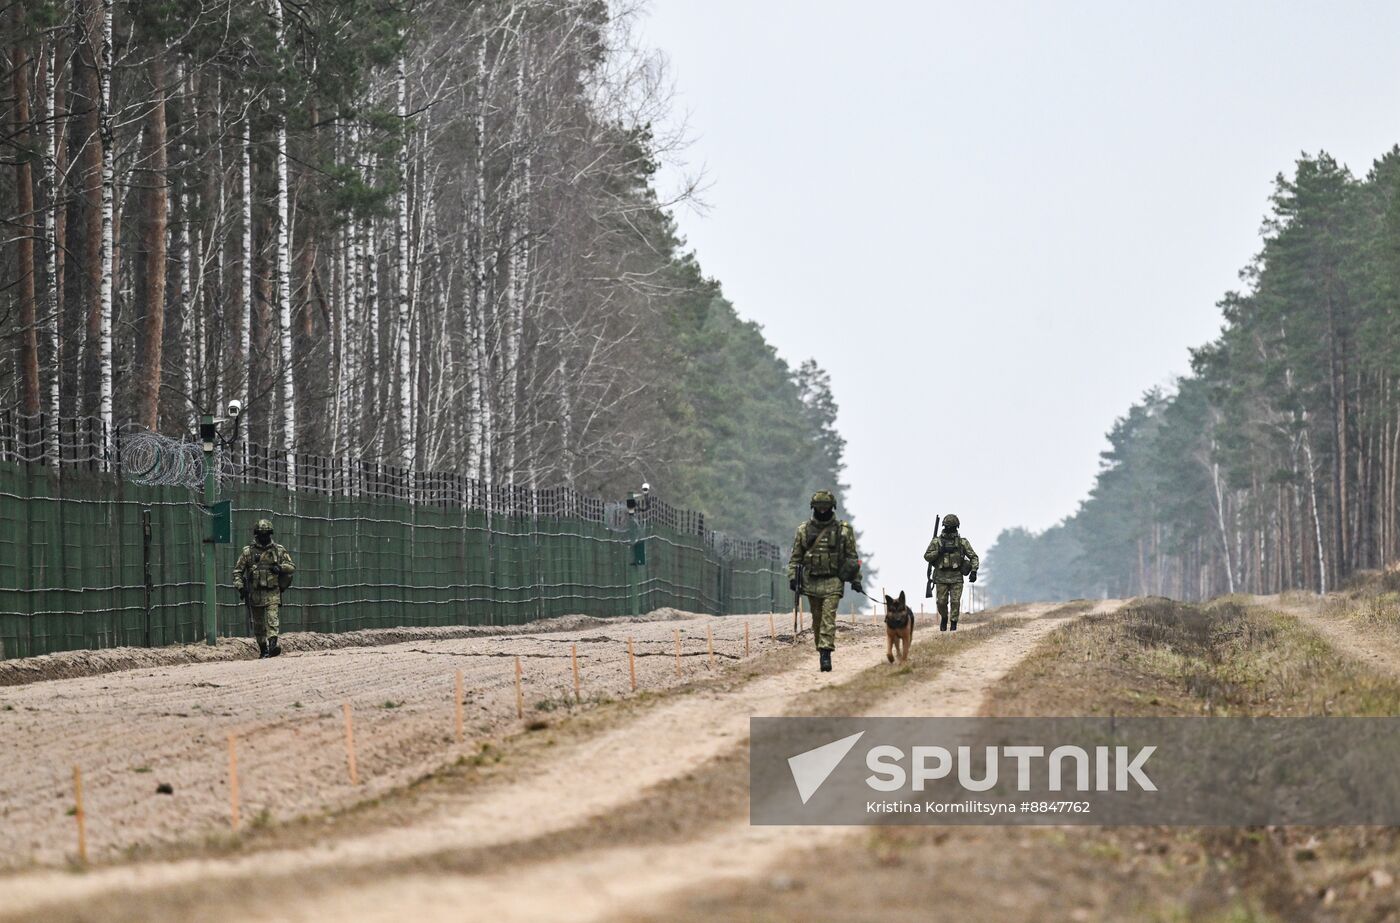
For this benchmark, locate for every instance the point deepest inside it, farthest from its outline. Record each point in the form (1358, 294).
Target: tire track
(585, 781)
(608, 883)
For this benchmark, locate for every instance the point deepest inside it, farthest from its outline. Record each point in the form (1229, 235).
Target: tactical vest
(950, 555)
(262, 582)
(824, 550)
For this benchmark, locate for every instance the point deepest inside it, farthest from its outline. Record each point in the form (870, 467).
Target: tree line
(422, 231)
(1274, 464)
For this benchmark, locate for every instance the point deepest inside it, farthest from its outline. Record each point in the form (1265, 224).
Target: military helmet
(951, 521)
(823, 497)
(263, 525)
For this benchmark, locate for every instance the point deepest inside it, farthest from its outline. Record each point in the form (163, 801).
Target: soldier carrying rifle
(950, 558)
(823, 559)
(263, 572)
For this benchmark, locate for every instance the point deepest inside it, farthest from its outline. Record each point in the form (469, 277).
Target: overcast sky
(997, 224)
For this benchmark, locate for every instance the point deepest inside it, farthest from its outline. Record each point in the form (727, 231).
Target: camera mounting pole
(209, 435)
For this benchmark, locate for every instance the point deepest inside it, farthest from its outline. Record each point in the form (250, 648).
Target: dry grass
(1154, 657)
(1157, 657)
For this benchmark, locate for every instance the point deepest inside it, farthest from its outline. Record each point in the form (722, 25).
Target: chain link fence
(93, 554)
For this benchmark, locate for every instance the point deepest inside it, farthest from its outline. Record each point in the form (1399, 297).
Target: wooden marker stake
(746, 637)
(678, 652)
(710, 644)
(772, 631)
(350, 745)
(519, 691)
(573, 656)
(79, 814)
(632, 664)
(457, 704)
(233, 782)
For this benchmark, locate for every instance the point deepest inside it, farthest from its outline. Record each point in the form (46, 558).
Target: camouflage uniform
(951, 556)
(827, 552)
(262, 572)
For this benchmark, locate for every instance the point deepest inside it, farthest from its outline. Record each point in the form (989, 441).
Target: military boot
(262, 648)
(826, 660)
(943, 623)
(272, 649)
(953, 626)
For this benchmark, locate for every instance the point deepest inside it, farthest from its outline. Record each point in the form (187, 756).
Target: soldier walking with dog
(263, 572)
(823, 560)
(950, 558)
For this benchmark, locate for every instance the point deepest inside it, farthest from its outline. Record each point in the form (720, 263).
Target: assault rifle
(246, 594)
(797, 605)
(928, 583)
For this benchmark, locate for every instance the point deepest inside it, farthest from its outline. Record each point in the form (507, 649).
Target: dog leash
(869, 597)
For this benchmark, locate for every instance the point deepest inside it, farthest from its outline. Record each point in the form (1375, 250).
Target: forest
(1275, 463)
(420, 231)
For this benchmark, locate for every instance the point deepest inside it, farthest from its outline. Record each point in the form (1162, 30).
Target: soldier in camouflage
(952, 558)
(264, 570)
(824, 554)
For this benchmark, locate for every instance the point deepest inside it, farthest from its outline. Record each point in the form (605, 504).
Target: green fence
(89, 559)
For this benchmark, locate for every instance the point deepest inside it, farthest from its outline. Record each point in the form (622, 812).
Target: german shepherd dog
(899, 628)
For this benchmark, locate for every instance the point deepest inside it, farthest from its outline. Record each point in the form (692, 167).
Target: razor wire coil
(154, 460)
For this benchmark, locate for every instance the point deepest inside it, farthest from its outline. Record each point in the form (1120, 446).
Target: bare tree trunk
(284, 267)
(518, 266)
(373, 373)
(1316, 516)
(401, 218)
(1340, 485)
(154, 210)
(83, 288)
(56, 155)
(191, 252)
(24, 201)
(479, 450)
(214, 249)
(350, 389)
(262, 419)
(107, 255)
(566, 421)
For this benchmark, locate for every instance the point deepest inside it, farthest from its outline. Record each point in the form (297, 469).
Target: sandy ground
(601, 774)
(134, 730)
(607, 883)
(73, 664)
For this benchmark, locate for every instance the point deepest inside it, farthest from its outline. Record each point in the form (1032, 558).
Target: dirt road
(134, 730)
(389, 871)
(1344, 627)
(608, 883)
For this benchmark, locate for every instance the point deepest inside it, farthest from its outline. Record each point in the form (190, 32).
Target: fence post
(211, 487)
(146, 567)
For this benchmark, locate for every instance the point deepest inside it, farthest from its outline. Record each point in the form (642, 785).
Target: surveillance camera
(235, 408)
(646, 488)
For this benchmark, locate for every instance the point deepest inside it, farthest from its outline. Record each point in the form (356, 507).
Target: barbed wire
(154, 460)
